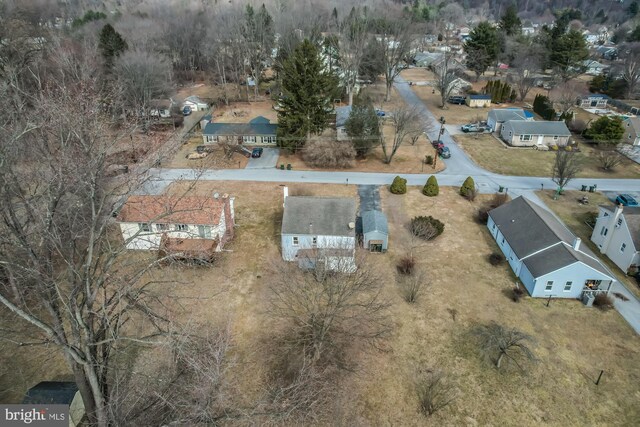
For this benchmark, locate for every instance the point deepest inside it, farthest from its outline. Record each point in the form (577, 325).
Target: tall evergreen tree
(363, 126)
(482, 48)
(111, 44)
(305, 102)
(510, 23)
(567, 53)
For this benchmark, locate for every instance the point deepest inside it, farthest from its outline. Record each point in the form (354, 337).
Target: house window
(295, 241)
(567, 286)
(269, 139)
(555, 137)
(314, 240)
(182, 227)
(212, 139)
(494, 226)
(162, 227)
(549, 286)
(503, 240)
(249, 139)
(604, 231)
(204, 231)
(622, 248)
(144, 227)
(619, 222)
(525, 137)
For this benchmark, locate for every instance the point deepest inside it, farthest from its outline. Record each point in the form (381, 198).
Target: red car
(437, 145)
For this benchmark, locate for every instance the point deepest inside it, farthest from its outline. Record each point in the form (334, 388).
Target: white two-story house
(177, 224)
(617, 234)
(319, 229)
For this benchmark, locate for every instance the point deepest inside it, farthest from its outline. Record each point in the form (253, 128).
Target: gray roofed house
(547, 258)
(375, 231)
(58, 393)
(319, 228)
(259, 131)
(617, 234)
(195, 103)
(631, 130)
(525, 133)
(498, 116)
(342, 115)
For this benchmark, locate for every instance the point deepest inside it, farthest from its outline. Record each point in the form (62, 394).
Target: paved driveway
(453, 129)
(369, 198)
(268, 160)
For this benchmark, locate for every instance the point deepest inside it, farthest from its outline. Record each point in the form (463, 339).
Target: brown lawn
(573, 343)
(492, 155)
(574, 215)
(214, 160)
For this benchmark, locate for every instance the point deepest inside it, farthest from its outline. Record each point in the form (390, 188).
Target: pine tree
(510, 23)
(468, 185)
(111, 44)
(482, 48)
(363, 126)
(398, 186)
(305, 103)
(431, 187)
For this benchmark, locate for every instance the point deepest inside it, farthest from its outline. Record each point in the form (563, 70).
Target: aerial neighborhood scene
(324, 213)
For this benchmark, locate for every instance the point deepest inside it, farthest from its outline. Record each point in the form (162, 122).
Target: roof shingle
(172, 210)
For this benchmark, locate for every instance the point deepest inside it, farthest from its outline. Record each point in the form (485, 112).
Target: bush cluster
(426, 227)
(431, 187)
(496, 258)
(398, 186)
(468, 188)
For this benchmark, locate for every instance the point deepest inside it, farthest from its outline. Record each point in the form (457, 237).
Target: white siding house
(631, 130)
(617, 234)
(319, 229)
(146, 221)
(543, 254)
(195, 103)
(524, 133)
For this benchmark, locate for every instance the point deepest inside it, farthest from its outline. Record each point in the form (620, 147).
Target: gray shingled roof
(530, 228)
(258, 126)
(632, 218)
(502, 115)
(525, 127)
(342, 115)
(374, 221)
(323, 216)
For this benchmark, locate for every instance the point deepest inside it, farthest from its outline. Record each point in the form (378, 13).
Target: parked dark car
(186, 110)
(456, 99)
(626, 200)
(380, 113)
(256, 152)
(444, 152)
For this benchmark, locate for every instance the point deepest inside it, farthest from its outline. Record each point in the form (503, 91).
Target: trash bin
(282, 166)
(595, 186)
(592, 188)
(288, 166)
(584, 188)
(501, 189)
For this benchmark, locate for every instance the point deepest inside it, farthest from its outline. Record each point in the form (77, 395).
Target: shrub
(553, 147)
(398, 186)
(467, 185)
(496, 259)
(435, 391)
(568, 148)
(324, 153)
(428, 159)
(499, 199)
(406, 265)
(577, 125)
(603, 302)
(591, 218)
(431, 187)
(516, 293)
(426, 227)
(482, 216)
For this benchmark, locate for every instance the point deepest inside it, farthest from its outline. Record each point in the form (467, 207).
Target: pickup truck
(473, 127)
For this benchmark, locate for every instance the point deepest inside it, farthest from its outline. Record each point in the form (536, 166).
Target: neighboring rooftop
(505, 114)
(172, 210)
(594, 96)
(526, 127)
(479, 96)
(533, 231)
(51, 393)
(321, 216)
(374, 221)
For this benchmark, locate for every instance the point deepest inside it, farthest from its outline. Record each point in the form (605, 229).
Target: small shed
(195, 103)
(375, 232)
(479, 101)
(58, 393)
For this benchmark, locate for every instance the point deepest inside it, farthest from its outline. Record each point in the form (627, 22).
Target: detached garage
(375, 232)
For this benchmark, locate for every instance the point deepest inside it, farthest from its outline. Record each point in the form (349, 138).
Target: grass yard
(490, 154)
(574, 215)
(573, 342)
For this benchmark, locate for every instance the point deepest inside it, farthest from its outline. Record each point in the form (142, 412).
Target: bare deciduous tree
(565, 168)
(564, 96)
(353, 42)
(631, 72)
(326, 153)
(435, 391)
(394, 38)
(609, 159)
(406, 124)
(445, 79)
(497, 342)
(526, 63)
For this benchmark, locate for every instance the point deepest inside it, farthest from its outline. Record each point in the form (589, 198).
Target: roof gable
(374, 221)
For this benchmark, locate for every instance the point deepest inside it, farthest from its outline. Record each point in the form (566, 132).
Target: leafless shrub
(496, 259)
(499, 199)
(453, 312)
(497, 342)
(577, 125)
(406, 265)
(603, 302)
(482, 215)
(411, 285)
(609, 160)
(471, 194)
(620, 296)
(435, 391)
(516, 293)
(326, 153)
